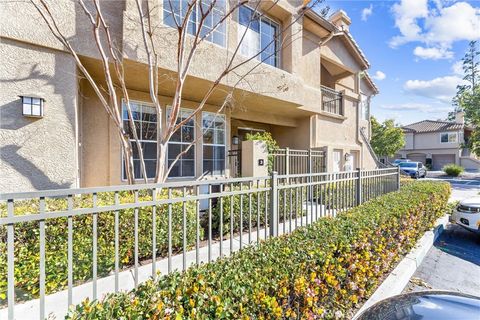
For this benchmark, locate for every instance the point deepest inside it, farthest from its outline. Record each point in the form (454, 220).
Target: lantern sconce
(235, 140)
(33, 106)
(347, 156)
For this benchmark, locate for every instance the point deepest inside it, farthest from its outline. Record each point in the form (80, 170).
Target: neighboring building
(437, 143)
(315, 93)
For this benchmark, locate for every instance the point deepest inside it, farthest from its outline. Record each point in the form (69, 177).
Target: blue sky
(414, 48)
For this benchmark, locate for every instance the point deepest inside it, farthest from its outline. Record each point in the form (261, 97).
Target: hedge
(325, 269)
(27, 241)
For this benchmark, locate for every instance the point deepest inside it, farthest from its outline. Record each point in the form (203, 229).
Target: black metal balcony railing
(332, 101)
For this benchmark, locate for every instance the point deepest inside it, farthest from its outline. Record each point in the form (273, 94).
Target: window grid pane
(213, 127)
(145, 120)
(181, 142)
(179, 9)
(261, 36)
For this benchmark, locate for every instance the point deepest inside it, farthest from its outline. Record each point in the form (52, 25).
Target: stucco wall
(297, 137)
(37, 153)
(337, 130)
(430, 140)
(408, 141)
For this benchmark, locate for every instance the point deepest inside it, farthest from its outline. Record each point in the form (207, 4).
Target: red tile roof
(433, 126)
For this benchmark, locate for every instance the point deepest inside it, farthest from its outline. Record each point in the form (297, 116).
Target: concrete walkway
(56, 305)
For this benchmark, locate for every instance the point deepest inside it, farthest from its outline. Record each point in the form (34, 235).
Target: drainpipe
(330, 36)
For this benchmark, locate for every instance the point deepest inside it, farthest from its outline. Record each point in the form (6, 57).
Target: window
(213, 128)
(448, 137)
(182, 141)
(178, 9)
(145, 119)
(365, 107)
(262, 34)
(32, 106)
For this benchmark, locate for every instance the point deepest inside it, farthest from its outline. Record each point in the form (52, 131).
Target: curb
(400, 276)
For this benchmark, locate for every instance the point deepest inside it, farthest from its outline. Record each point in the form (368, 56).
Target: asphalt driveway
(453, 263)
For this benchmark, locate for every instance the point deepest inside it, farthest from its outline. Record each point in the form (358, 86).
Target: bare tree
(188, 43)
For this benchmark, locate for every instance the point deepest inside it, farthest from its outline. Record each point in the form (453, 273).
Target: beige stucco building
(438, 143)
(314, 93)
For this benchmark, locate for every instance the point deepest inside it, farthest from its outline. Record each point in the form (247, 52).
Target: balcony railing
(332, 101)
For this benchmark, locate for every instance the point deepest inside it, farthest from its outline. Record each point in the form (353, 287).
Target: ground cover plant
(323, 270)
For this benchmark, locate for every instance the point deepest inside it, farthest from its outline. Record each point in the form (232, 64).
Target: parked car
(425, 305)
(467, 214)
(396, 162)
(413, 169)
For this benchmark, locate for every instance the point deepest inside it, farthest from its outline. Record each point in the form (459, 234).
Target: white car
(467, 214)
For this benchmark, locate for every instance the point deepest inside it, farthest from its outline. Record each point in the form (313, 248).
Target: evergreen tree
(468, 95)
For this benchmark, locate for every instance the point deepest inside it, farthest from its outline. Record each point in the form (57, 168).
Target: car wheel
(416, 175)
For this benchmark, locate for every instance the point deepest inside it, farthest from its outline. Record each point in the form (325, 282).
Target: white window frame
(224, 145)
(169, 108)
(142, 103)
(271, 21)
(166, 7)
(448, 137)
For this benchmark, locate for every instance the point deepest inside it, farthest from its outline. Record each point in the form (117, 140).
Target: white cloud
(435, 23)
(379, 75)
(458, 22)
(433, 53)
(457, 68)
(406, 14)
(442, 89)
(413, 106)
(367, 12)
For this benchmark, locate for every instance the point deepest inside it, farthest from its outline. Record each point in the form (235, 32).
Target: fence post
(274, 205)
(287, 161)
(310, 179)
(398, 177)
(359, 187)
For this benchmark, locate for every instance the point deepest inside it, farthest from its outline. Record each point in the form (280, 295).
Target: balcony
(332, 101)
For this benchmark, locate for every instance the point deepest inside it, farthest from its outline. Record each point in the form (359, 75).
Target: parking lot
(453, 263)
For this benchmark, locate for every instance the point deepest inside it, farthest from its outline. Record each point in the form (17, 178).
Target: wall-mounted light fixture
(33, 106)
(347, 156)
(235, 140)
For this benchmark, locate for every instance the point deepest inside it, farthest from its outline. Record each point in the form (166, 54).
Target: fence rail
(332, 101)
(290, 161)
(77, 237)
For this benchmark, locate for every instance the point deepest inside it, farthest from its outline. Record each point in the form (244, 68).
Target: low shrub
(27, 241)
(323, 270)
(452, 170)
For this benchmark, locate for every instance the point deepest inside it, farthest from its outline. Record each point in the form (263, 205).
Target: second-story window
(365, 107)
(260, 34)
(175, 10)
(448, 137)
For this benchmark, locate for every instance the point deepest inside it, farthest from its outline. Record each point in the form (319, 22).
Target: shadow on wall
(11, 112)
(38, 179)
